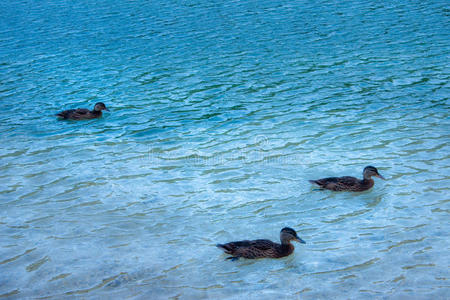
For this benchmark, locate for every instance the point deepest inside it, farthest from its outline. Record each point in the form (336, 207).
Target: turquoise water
(220, 112)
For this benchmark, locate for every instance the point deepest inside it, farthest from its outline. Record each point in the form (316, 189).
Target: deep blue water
(220, 112)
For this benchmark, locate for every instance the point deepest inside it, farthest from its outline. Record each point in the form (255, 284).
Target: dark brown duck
(83, 113)
(263, 248)
(348, 183)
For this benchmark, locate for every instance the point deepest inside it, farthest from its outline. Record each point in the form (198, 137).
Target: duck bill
(379, 176)
(106, 109)
(300, 240)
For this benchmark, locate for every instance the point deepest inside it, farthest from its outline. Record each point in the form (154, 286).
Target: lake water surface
(220, 113)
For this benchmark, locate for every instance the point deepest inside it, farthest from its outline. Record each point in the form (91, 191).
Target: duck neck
(287, 248)
(96, 112)
(367, 182)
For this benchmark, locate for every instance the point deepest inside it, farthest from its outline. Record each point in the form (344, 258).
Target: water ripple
(220, 112)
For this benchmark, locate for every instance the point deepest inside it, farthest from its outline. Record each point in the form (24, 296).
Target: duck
(262, 248)
(83, 113)
(349, 183)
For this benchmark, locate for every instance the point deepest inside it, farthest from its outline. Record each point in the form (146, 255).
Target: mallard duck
(348, 183)
(83, 113)
(263, 248)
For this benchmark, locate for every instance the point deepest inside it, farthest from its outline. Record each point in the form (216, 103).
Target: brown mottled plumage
(263, 248)
(83, 113)
(348, 183)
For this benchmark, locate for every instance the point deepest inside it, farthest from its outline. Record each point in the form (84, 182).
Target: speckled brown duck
(348, 183)
(83, 113)
(263, 248)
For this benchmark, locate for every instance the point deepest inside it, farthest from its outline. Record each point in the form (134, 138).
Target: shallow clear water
(220, 112)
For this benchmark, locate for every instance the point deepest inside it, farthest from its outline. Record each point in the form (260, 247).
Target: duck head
(370, 171)
(99, 106)
(288, 234)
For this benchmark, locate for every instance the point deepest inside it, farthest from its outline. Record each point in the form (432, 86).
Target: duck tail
(225, 247)
(314, 182)
(222, 246)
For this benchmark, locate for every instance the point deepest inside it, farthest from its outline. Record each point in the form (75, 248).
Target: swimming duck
(348, 183)
(83, 113)
(263, 248)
